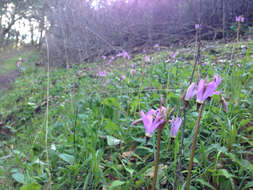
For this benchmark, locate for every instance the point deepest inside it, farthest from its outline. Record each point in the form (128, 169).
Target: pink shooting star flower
(174, 55)
(123, 77)
(102, 73)
(132, 72)
(175, 125)
(151, 120)
(206, 90)
(147, 59)
(191, 92)
(150, 124)
(119, 55)
(237, 18)
(156, 46)
(197, 26)
(109, 61)
(217, 80)
(242, 18)
(104, 57)
(125, 55)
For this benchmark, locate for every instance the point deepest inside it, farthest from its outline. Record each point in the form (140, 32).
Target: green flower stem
(157, 157)
(158, 148)
(188, 180)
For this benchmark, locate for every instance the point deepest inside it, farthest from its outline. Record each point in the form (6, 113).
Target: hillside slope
(86, 141)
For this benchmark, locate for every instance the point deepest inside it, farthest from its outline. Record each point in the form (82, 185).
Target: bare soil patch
(7, 79)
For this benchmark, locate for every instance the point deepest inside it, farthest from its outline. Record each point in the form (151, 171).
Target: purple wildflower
(174, 55)
(191, 91)
(148, 122)
(217, 80)
(157, 46)
(242, 18)
(151, 120)
(132, 72)
(125, 55)
(102, 73)
(175, 125)
(123, 77)
(147, 58)
(197, 26)
(237, 18)
(109, 61)
(206, 90)
(133, 66)
(119, 55)
(104, 57)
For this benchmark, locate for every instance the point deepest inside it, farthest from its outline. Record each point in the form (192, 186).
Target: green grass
(91, 143)
(28, 56)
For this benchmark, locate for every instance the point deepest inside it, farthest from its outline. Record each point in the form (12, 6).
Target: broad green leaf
(225, 173)
(67, 158)
(33, 186)
(111, 127)
(111, 141)
(142, 150)
(248, 185)
(117, 183)
(205, 183)
(111, 102)
(244, 122)
(19, 177)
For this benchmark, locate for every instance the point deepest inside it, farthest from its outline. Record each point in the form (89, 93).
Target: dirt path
(7, 79)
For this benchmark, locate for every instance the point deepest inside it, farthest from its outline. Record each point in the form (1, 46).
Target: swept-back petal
(191, 91)
(217, 80)
(175, 125)
(200, 91)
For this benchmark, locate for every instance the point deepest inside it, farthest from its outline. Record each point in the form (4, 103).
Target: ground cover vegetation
(91, 142)
(141, 95)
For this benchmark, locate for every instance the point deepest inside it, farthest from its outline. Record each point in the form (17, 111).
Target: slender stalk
(178, 174)
(158, 148)
(76, 116)
(238, 32)
(139, 92)
(157, 157)
(197, 57)
(49, 186)
(188, 180)
(223, 19)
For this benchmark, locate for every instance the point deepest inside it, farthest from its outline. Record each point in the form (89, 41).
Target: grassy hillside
(86, 141)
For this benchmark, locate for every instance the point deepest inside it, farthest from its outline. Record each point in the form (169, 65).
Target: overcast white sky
(23, 26)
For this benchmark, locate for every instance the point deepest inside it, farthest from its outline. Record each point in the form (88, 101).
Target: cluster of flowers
(203, 90)
(155, 118)
(239, 18)
(156, 46)
(124, 54)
